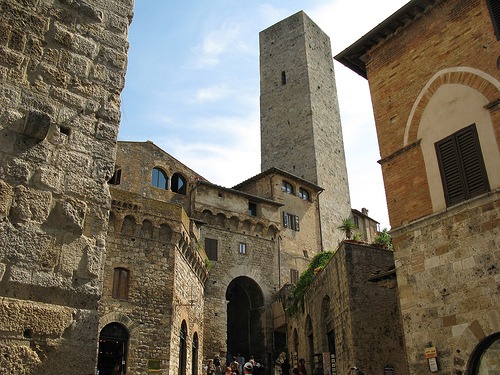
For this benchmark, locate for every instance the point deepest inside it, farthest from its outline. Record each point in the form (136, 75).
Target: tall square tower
(300, 122)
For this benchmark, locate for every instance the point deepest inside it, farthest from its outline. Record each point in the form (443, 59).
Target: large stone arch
(245, 328)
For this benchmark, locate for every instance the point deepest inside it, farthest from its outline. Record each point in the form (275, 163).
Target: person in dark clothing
(285, 367)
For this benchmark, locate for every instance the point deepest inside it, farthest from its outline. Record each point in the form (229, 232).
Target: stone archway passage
(113, 342)
(245, 333)
(486, 357)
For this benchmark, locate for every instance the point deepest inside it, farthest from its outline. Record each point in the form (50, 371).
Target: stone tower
(300, 122)
(62, 68)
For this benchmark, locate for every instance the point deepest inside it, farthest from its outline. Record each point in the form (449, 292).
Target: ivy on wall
(306, 278)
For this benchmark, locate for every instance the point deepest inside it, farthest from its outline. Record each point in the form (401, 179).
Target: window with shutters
(461, 165)
(120, 283)
(294, 276)
(291, 221)
(211, 248)
(494, 7)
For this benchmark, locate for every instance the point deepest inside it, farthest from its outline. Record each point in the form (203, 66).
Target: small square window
(242, 248)
(252, 209)
(116, 178)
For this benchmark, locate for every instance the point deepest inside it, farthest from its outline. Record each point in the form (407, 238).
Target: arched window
(179, 184)
(303, 194)
(287, 187)
(183, 348)
(120, 283)
(194, 355)
(159, 178)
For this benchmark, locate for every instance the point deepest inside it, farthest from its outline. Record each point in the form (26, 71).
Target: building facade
(433, 70)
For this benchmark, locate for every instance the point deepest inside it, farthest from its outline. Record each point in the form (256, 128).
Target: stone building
(62, 68)
(350, 315)
(433, 69)
(151, 311)
(366, 227)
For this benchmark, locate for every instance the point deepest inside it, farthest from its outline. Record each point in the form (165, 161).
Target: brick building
(433, 70)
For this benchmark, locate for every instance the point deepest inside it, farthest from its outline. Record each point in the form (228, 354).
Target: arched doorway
(113, 342)
(245, 334)
(183, 349)
(486, 357)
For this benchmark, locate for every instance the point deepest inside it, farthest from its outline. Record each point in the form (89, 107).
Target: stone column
(62, 69)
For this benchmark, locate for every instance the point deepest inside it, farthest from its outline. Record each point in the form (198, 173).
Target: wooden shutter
(297, 226)
(120, 283)
(494, 7)
(461, 166)
(211, 248)
(286, 222)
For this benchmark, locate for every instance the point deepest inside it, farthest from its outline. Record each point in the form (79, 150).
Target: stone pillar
(62, 69)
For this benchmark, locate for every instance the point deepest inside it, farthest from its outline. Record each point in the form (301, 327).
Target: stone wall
(448, 280)
(349, 299)
(62, 68)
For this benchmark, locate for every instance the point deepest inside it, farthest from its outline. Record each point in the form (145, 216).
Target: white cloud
(214, 44)
(212, 93)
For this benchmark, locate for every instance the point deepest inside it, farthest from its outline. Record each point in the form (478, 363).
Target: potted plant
(347, 227)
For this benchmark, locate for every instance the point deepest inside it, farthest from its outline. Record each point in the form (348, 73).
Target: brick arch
(484, 83)
(473, 335)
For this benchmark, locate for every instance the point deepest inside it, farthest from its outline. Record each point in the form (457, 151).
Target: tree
(347, 227)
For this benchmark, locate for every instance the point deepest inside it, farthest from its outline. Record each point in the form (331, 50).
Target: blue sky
(192, 85)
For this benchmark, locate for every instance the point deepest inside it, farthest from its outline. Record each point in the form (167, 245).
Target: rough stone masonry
(62, 69)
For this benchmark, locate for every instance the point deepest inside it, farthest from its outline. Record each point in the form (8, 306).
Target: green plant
(383, 239)
(356, 236)
(347, 227)
(208, 264)
(318, 262)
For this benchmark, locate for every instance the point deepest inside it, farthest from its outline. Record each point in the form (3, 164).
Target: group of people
(235, 365)
(300, 369)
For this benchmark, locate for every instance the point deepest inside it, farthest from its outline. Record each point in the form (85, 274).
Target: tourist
(235, 366)
(302, 367)
(211, 367)
(285, 367)
(248, 368)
